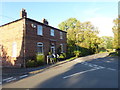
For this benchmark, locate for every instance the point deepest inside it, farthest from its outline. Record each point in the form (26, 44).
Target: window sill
(40, 35)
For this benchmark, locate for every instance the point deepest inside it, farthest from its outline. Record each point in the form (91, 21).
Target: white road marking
(7, 78)
(85, 63)
(101, 67)
(23, 76)
(90, 65)
(111, 69)
(79, 73)
(95, 65)
(11, 80)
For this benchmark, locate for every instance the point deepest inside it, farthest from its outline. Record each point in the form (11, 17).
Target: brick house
(21, 39)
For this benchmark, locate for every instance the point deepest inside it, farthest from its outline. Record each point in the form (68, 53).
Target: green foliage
(107, 42)
(63, 55)
(113, 54)
(82, 35)
(70, 50)
(49, 53)
(77, 53)
(34, 63)
(116, 31)
(31, 63)
(40, 59)
(70, 58)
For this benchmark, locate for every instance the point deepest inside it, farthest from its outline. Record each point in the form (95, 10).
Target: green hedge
(40, 59)
(37, 62)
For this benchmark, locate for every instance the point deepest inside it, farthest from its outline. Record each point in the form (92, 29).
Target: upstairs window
(39, 30)
(61, 35)
(52, 32)
(40, 48)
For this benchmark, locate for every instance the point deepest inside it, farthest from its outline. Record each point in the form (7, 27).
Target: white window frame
(62, 48)
(14, 49)
(40, 46)
(61, 35)
(52, 32)
(39, 30)
(53, 47)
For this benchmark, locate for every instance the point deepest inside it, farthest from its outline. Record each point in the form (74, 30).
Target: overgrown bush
(77, 53)
(31, 63)
(70, 50)
(62, 55)
(40, 59)
(36, 62)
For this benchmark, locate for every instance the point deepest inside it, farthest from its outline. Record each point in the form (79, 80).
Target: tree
(80, 35)
(107, 42)
(116, 31)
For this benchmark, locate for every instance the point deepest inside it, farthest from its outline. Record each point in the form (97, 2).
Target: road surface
(95, 72)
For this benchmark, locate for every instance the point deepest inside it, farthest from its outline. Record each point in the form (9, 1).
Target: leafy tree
(80, 35)
(116, 31)
(107, 42)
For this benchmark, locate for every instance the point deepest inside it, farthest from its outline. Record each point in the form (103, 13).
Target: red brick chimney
(23, 13)
(44, 21)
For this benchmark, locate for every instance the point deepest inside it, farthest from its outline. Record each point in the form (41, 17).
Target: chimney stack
(44, 21)
(23, 13)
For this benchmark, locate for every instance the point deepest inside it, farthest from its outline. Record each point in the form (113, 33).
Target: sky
(101, 14)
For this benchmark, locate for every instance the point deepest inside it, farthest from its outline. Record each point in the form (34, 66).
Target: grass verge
(70, 59)
(112, 54)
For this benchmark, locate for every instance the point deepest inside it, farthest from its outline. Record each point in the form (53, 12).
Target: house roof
(11, 22)
(33, 21)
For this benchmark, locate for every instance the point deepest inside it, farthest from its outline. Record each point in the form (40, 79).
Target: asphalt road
(100, 72)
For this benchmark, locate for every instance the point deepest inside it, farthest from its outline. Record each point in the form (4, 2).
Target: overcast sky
(100, 13)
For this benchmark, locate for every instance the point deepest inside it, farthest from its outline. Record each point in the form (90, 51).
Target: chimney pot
(44, 21)
(23, 13)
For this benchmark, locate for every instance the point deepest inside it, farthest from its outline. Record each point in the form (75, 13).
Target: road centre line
(80, 73)
(23, 76)
(7, 78)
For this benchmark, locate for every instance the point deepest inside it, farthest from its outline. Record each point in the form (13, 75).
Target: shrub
(70, 50)
(30, 63)
(77, 53)
(40, 59)
(49, 53)
(63, 55)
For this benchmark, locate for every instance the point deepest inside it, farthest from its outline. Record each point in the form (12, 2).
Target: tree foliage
(116, 31)
(80, 35)
(107, 42)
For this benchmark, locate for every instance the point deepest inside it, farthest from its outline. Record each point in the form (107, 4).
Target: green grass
(105, 51)
(113, 54)
(70, 59)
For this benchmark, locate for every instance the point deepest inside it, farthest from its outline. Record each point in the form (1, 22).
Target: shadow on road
(100, 78)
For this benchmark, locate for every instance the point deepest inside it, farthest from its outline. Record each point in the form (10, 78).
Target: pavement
(91, 63)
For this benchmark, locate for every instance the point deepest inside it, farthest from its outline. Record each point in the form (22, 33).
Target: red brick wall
(32, 38)
(14, 32)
